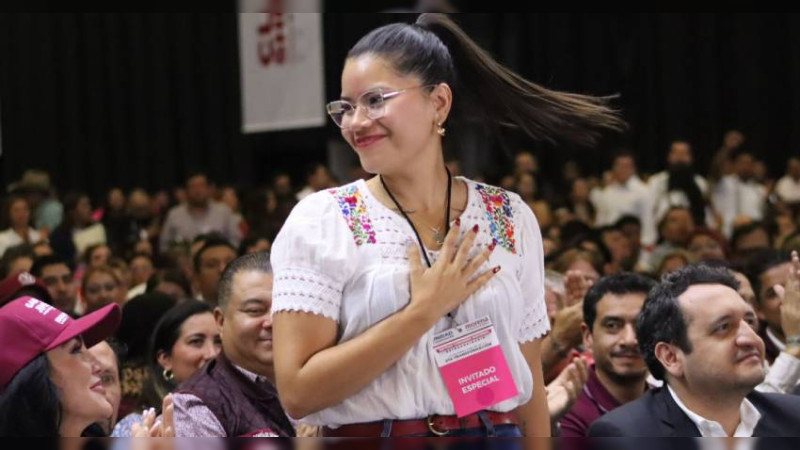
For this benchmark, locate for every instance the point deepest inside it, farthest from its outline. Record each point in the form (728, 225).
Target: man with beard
(698, 335)
(58, 276)
(199, 215)
(676, 186)
(619, 373)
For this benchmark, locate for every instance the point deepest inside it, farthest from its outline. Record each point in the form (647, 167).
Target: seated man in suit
(697, 334)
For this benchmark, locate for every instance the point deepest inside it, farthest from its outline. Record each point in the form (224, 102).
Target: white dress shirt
(733, 198)
(621, 199)
(305, 192)
(749, 417)
(139, 289)
(722, 444)
(788, 189)
(662, 200)
(784, 374)
(775, 341)
(10, 238)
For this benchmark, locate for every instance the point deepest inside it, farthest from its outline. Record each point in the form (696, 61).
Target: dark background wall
(128, 100)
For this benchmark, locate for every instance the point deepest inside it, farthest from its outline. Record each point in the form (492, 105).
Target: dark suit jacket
(657, 415)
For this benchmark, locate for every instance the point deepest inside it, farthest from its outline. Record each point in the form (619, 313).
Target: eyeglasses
(373, 102)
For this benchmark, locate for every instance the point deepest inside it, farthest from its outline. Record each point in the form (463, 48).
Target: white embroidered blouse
(342, 254)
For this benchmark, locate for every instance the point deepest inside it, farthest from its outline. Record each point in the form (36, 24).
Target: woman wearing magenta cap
(412, 304)
(49, 383)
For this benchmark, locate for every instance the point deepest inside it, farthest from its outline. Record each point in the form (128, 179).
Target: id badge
(473, 367)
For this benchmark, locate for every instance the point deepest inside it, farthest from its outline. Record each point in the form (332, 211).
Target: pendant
(438, 236)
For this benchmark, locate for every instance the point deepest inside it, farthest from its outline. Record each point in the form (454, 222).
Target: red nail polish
(458, 221)
(475, 228)
(496, 269)
(492, 245)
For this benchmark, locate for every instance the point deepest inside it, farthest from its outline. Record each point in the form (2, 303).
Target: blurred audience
(199, 215)
(18, 218)
(185, 295)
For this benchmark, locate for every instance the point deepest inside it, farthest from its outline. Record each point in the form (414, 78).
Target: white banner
(282, 70)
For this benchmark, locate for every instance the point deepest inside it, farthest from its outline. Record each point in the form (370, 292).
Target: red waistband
(438, 425)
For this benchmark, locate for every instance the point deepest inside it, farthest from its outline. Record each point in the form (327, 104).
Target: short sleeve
(535, 322)
(312, 258)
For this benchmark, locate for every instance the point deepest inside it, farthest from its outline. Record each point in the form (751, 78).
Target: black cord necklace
(413, 228)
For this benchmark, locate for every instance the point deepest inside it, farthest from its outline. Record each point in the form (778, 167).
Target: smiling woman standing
(369, 276)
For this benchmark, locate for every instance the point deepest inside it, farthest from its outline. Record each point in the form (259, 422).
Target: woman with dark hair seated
(139, 318)
(50, 384)
(17, 215)
(183, 342)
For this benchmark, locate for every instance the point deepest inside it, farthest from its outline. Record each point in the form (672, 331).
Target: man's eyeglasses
(373, 102)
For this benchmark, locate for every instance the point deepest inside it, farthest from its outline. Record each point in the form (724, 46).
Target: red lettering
(272, 40)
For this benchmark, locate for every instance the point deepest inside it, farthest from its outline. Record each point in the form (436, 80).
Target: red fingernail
(458, 221)
(496, 269)
(475, 228)
(492, 245)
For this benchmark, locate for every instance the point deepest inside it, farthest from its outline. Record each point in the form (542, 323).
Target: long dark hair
(165, 335)
(70, 202)
(438, 51)
(681, 178)
(29, 405)
(5, 217)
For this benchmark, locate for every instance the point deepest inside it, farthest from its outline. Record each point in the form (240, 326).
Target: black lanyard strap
(413, 228)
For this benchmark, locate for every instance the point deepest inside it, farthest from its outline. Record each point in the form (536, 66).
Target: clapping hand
(790, 299)
(151, 427)
(564, 390)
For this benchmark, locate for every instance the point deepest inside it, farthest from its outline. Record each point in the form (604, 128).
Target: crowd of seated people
(673, 288)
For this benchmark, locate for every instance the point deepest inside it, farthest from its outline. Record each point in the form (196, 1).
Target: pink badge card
(473, 366)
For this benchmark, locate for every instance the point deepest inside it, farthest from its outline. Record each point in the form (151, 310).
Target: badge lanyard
(414, 229)
(469, 357)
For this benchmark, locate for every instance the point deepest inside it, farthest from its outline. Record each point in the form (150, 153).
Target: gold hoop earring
(440, 130)
(168, 375)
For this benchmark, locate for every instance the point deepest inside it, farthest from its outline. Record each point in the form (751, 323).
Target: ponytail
(439, 51)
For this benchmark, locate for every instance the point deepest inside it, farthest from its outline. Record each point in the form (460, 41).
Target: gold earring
(168, 375)
(440, 129)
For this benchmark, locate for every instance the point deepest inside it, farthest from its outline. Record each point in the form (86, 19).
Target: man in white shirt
(788, 187)
(625, 194)
(676, 186)
(739, 194)
(698, 335)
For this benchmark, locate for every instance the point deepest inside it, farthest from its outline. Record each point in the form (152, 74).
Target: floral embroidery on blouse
(354, 210)
(497, 207)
